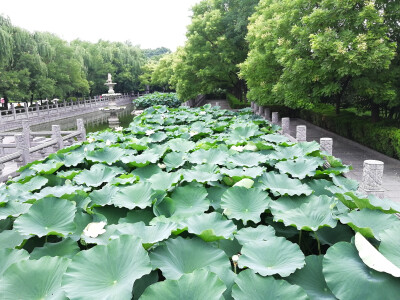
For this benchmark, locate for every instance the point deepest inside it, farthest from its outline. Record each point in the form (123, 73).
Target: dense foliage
(167, 99)
(343, 52)
(163, 209)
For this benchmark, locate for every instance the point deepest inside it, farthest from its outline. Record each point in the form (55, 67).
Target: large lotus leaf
(285, 153)
(349, 278)
(243, 172)
(247, 159)
(66, 248)
(276, 138)
(34, 279)
(390, 245)
(182, 256)
(70, 174)
(13, 209)
(275, 256)
(104, 195)
(319, 186)
(57, 191)
(311, 279)
(107, 272)
(158, 137)
(97, 175)
(300, 168)
(212, 156)
(305, 212)
(149, 234)
(185, 201)
(48, 167)
(250, 234)
(370, 223)
(107, 136)
(202, 173)
(181, 145)
(140, 215)
(146, 172)
(239, 134)
(48, 216)
(198, 285)
(210, 227)
(164, 181)
(244, 204)
(141, 160)
(136, 195)
(11, 239)
(175, 160)
(11, 256)
(33, 184)
(281, 184)
(124, 179)
(330, 236)
(370, 202)
(373, 258)
(214, 195)
(108, 155)
(143, 283)
(252, 286)
(73, 159)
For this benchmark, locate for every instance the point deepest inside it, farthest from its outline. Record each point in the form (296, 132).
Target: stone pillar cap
(373, 162)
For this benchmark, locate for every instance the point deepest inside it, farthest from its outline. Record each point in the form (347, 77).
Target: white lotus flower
(162, 166)
(250, 147)
(94, 229)
(90, 140)
(163, 116)
(85, 149)
(237, 148)
(192, 133)
(202, 113)
(235, 258)
(149, 132)
(68, 182)
(108, 143)
(245, 182)
(119, 128)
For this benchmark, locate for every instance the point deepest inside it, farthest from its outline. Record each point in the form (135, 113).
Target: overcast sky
(148, 23)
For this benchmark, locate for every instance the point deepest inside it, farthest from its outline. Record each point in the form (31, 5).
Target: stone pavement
(350, 153)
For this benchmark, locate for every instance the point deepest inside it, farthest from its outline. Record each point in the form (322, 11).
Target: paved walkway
(350, 153)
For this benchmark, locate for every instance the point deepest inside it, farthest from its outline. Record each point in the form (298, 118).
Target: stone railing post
(26, 110)
(1, 147)
(255, 108)
(286, 125)
(13, 111)
(275, 117)
(261, 111)
(37, 108)
(81, 129)
(217, 103)
(267, 113)
(56, 134)
(252, 105)
(301, 133)
(26, 132)
(326, 145)
(48, 108)
(24, 148)
(57, 108)
(372, 178)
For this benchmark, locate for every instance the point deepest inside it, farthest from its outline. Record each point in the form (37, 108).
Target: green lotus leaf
(106, 136)
(66, 248)
(158, 137)
(371, 202)
(164, 181)
(252, 286)
(175, 160)
(276, 139)
(370, 223)
(143, 283)
(281, 184)
(149, 234)
(212, 156)
(13, 209)
(124, 179)
(146, 172)
(179, 256)
(11, 256)
(48, 167)
(57, 191)
(185, 201)
(108, 155)
(107, 272)
(285, 153)
(33, 184)
(319, 186)
(104, 195)
(390, 245)
(300, 168)
(72, 159)
(48, 216)
(373, 258)
(247, 159)
(349, 278)
(214, 195)
(244, 204)
(70, 174)
(250, 234)
(181, 145)
(311, 279)
(275, 256)
(330, 236)
(11, 239)
(198, 285)
(137, 195)
(141, 160)
(345, 183)
(210, 227)
(240, 134)
(243, 172)
(34, 279)
(305, 212)
(97, 175)
(140, 215)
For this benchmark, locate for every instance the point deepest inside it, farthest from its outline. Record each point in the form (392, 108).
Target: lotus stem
(319, 244)
(300, 238)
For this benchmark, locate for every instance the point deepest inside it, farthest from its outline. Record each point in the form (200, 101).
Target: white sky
(148, 23)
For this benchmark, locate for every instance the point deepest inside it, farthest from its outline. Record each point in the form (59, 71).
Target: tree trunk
(337, 104)
(374, 113)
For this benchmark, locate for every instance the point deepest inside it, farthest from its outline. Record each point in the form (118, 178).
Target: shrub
(167, 99)
(235, 103)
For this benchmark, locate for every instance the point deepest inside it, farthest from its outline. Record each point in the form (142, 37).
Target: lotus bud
(245, 182)
(149, 132)
(235, 258)
(85, 149)
(108, 143)
(250, 147)
(68, 182)
(202, 113)
(94, 229)
(237, 148)
(90, 140)
(118, 128)
(162, 166)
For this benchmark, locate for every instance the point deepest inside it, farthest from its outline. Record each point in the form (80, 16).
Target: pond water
(93, 122)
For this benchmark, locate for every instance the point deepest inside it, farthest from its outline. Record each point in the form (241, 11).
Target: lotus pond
(194, 204)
